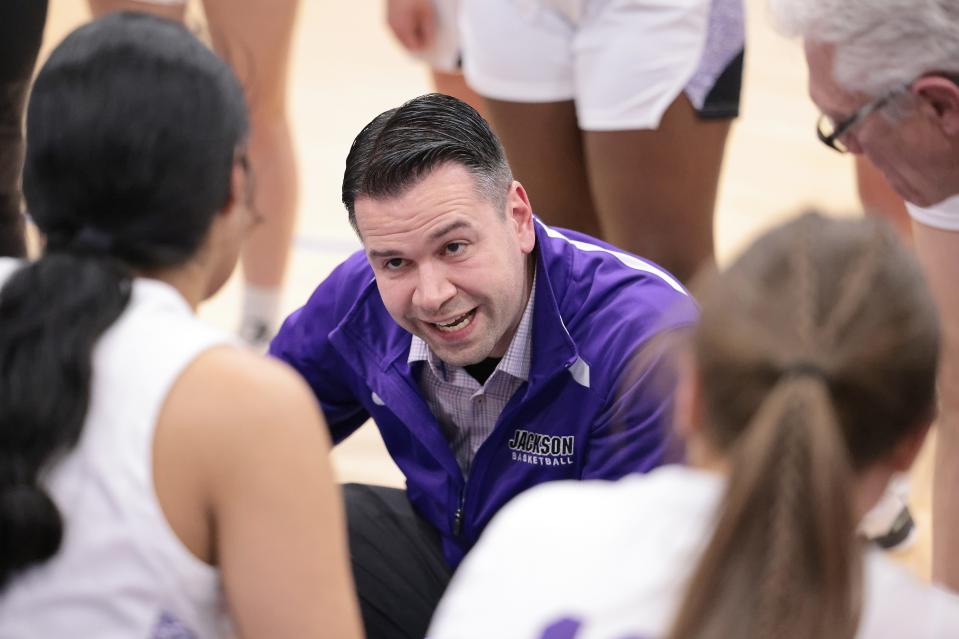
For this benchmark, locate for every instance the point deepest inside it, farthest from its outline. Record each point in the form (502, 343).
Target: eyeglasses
(830, 132)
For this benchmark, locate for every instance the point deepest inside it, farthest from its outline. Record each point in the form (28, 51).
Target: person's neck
(188, 280)
(870, 485)
(500, 351)
(702, 456)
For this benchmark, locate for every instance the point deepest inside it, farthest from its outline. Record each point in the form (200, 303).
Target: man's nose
(433, 289)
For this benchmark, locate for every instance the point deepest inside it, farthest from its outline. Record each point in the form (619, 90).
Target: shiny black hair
(133, 129)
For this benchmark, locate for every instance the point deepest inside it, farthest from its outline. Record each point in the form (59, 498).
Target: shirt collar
(515, 362)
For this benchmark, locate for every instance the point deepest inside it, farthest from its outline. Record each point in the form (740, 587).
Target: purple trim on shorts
(725, 39)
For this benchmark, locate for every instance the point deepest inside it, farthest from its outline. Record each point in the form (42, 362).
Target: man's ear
(520, 214)
(942, 95)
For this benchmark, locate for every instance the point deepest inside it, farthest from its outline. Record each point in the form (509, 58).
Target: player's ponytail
(783, 560)
(817, 354)
(52, 312)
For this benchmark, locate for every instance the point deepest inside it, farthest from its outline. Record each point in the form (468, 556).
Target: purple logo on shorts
(568, 628)
(169, 627)
(562, 629)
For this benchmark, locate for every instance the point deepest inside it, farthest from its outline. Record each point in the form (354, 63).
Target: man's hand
(412, 21)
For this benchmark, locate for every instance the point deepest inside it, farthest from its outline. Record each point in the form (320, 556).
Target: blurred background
(347, 68)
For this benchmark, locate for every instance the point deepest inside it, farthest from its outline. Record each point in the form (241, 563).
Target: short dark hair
(403, 145)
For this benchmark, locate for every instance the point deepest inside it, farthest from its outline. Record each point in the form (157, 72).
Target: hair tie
(805, 369)
(91, 240)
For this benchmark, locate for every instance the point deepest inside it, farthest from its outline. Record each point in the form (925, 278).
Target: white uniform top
(121, 571)
(609, 560)
(944, 215)
(7, 266)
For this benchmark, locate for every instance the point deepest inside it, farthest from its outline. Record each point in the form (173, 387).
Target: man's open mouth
(457, 323)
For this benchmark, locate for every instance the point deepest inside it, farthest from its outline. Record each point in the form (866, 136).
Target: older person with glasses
(884, 73)
(832, 132)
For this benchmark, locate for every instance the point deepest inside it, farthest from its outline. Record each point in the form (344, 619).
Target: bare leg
(937, 250)
(170, 11)
(655, 190)
(21, 31)
(454, 84)
(256, 39)
(545, 149)
(879, 199)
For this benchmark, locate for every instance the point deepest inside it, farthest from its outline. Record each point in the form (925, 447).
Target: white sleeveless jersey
(610, 560)
(121, 571)
(7, 266)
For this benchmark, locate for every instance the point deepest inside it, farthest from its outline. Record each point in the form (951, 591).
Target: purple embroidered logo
(542, 450)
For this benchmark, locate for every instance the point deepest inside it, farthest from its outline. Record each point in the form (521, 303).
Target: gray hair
(879, 44)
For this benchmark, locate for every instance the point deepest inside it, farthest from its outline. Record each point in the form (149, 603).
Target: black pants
(398, 562)
(21, 31)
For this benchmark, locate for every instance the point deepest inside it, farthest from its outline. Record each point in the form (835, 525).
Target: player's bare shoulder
(230, 390)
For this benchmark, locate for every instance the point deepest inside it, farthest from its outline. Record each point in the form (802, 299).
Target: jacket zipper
(461, 506)
(458, 517)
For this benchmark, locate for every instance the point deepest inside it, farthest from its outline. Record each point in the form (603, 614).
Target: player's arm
(250, 445)
(937, 250)
(303, 343)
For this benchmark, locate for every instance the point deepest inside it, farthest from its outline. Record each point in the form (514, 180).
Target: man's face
(916, 156)
(450, 266)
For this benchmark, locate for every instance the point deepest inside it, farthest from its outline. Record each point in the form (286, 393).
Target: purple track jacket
(580, 416)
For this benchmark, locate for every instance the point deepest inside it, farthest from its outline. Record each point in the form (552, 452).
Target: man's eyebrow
(435, 235)
(452, 226)
(384, 253)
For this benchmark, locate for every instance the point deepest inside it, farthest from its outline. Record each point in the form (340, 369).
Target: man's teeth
(457, 324)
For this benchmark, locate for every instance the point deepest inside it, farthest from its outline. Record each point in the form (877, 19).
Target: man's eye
(455, 248)
(393, 264)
